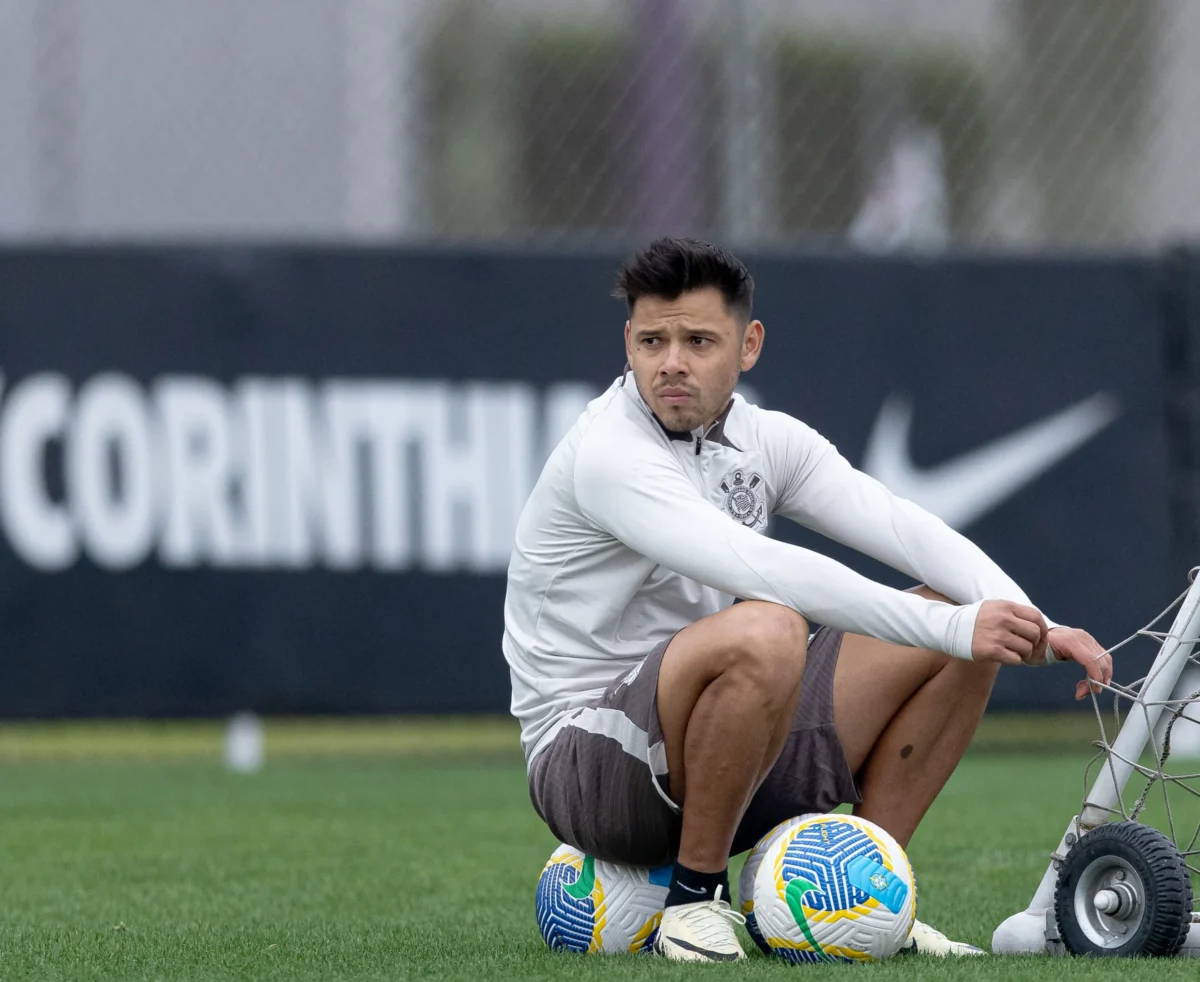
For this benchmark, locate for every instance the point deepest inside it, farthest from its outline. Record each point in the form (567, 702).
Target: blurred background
(295, 297)
(1006, 124)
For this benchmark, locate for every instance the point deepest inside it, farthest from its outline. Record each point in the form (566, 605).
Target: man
(663, 722)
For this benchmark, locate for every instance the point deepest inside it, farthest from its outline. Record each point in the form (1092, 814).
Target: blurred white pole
(245, 750)
(664, 118)
(1167, 180)
(750, 129)
(883, 100)
(382, 145)
(56, 67)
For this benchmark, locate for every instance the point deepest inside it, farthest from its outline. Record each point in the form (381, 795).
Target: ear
(628, 346)
(752, 342)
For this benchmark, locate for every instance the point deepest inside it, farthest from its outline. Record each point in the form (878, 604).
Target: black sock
(689, 886)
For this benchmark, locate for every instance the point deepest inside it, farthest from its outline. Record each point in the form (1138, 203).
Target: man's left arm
(822, 491)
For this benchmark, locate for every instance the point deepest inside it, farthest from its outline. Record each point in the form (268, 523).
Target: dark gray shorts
(602, 785)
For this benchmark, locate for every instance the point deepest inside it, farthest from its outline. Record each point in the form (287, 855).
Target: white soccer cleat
(701, 932)
(928, 941)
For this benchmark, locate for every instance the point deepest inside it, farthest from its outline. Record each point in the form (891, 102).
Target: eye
(650, 342)
(699, 342)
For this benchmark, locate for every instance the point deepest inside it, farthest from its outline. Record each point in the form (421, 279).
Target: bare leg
(727, 691)
(905, 717)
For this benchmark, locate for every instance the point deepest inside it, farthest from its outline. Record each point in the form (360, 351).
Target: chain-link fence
(917, 123)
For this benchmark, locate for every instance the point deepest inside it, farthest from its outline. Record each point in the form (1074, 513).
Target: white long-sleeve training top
(632, 534)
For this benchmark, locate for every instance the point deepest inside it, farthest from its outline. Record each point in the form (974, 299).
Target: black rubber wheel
(1123, 890)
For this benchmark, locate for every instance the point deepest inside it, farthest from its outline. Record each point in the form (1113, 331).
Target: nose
(675, 363)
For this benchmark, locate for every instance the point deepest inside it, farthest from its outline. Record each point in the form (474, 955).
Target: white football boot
(928, 941)
(701, 932)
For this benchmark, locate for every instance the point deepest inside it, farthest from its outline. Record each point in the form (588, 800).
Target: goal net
(1158, 784)
(1121, 880)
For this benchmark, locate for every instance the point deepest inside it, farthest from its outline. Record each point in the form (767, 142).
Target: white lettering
(511, 464)
(394, 414)
(565, 403)
(300, 483)
(275, 473)
(39, 530)
(259, 456)
(329, 449)
(454, 491)
(195, 427)
(111, 430)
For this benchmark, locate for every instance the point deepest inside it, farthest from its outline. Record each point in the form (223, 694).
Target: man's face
(686, 355)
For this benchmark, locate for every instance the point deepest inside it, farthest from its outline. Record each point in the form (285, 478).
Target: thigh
(702, 651)
(873, 680)
(811, 773)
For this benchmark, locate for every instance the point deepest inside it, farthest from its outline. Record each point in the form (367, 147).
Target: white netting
(1169, 801)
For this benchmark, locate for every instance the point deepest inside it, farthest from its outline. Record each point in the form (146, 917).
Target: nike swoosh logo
(581, 889)
(793, 894)
(715, 956)
(968, 486)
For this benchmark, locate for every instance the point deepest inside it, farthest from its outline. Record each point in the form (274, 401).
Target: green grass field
(398, 851)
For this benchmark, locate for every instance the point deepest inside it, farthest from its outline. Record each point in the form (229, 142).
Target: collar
(715, 433)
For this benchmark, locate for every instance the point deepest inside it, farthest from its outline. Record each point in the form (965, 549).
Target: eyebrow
(647, 332)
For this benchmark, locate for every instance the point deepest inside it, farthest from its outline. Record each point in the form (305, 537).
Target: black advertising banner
(285, 480)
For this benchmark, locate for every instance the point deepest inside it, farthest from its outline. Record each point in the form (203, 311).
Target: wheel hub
(1110, 901)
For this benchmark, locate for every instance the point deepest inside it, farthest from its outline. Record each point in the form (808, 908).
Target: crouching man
(665, 723)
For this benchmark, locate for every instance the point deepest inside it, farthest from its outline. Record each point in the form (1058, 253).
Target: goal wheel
(1123, 890)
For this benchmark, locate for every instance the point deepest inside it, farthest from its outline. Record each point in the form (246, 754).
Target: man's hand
(1072, 644)
(1008, 633)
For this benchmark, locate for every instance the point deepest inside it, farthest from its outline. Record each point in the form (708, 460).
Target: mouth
(674, 397)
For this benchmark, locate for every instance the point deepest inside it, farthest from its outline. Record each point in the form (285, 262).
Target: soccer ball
(832, 888)
(588, 905)
(746, 881)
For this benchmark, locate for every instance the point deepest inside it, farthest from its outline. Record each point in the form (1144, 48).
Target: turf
(369, 863)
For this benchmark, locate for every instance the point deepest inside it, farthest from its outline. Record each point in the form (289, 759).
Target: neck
(706, 429)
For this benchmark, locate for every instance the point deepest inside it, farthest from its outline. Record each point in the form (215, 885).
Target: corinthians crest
(743, 499)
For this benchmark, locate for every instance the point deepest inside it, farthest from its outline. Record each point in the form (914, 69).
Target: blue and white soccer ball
(830, 888)
(746, 881)
(590, 906)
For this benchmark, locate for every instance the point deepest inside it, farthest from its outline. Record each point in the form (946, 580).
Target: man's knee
(980, 673)
(770, 643)
(984, 671)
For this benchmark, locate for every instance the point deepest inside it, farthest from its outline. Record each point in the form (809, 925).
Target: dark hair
(669, 267)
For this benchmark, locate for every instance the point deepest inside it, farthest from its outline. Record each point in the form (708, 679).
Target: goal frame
(1033, 930)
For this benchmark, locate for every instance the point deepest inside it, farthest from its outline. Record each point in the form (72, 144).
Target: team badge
(743, 499)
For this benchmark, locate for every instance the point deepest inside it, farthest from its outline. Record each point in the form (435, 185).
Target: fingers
(1031, 631)
(1099, 670)
(999, 653)
(1039, 652)
(1084, 686)
(1030, 615)
(1097, 662)
(1027, 632)
(1008, 632)
(1022, 637)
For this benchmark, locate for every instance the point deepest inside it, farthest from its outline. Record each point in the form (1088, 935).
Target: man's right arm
(637, 493)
